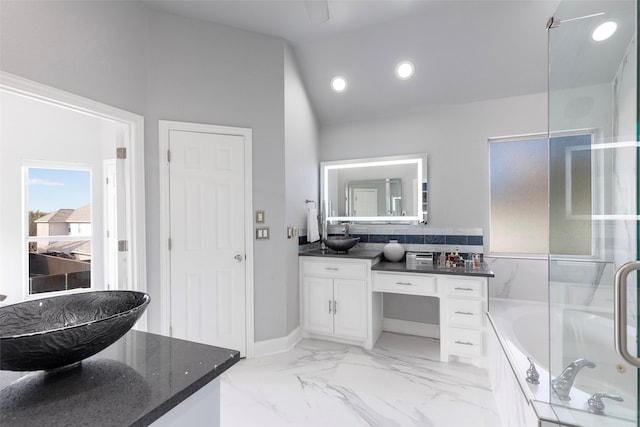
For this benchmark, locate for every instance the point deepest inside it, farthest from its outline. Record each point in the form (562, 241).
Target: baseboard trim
(277, 345)
(411, 328)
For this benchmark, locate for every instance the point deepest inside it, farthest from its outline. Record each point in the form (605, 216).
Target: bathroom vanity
(142, 379)
(342, 296)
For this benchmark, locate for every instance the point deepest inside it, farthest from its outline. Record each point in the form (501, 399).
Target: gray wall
(455, 138)
(167, 67)
(302, 171)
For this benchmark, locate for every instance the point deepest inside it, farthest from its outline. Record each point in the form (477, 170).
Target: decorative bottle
(393, 251)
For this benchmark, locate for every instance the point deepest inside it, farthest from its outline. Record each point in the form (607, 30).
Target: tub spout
(563, 383)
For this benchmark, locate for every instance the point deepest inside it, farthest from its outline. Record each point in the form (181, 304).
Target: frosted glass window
(570, 203)
(519, 196)
(541, 195)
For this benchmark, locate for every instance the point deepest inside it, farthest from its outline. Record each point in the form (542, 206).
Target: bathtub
(521, 329)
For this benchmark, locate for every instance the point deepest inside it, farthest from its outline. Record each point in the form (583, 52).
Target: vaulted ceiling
(464, 51)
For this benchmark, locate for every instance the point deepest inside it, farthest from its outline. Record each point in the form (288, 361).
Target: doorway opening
(48, 135)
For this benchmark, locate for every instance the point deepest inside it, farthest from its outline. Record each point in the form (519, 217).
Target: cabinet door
(350, 311)
(317, 300)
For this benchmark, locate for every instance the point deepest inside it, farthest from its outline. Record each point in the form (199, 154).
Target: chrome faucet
(533, 376)
(563, 383)
(596, 405)
(345, 230)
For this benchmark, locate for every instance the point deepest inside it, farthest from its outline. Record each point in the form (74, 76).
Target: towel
(312, 225)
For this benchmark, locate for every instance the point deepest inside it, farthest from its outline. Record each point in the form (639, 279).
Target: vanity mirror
(380, 189)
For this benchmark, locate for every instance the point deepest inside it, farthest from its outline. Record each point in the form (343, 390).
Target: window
(541, 194)
(59, 235)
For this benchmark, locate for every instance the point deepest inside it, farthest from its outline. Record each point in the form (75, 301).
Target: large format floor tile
(398, 383)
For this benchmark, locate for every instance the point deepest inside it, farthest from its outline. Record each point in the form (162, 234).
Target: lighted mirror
(380, 189)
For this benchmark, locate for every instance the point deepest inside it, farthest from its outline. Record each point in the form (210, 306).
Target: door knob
(238, 257)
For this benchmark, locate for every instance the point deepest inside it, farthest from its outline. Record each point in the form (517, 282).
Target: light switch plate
(259, 217)
(262, 233)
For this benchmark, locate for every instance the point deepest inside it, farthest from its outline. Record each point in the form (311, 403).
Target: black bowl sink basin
(341, 243)
(59, 332)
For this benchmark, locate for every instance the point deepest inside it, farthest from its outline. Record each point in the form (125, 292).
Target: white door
(318, 304)
(206, 190)
(350, 308)
(366, 202)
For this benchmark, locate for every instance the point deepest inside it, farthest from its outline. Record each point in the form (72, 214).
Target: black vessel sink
(56, 332)
(341, 243)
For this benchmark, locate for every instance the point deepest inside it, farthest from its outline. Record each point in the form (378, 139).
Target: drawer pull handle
(404, 283)
(466, 313)
(464, 342)
(463, 289)
(329, 306)
(332, 268)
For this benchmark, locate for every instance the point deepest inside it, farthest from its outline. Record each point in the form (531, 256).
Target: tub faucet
(345, 230)
(533, 376)
(563, 383)
(596, 405)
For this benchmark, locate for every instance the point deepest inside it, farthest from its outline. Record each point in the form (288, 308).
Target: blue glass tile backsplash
(414, 238)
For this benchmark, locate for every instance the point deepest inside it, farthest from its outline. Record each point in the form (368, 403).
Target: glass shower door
(593, 210)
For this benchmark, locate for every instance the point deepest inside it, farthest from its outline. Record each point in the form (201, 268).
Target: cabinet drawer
(335, 269)
(464, 287)
(464, 313)
(464, 342)
(418, 284)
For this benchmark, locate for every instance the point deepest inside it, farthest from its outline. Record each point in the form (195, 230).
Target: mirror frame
(419, 159)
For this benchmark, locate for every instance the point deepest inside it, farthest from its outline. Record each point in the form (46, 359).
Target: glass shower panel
(593, 203)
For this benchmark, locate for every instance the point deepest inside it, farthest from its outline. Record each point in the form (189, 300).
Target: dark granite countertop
(353, 254)
(131, 383)
(403, 267)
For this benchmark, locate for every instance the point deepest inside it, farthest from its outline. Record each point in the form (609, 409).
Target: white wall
(168, 67)
(37, 131)
(455, 138)
(301, 173)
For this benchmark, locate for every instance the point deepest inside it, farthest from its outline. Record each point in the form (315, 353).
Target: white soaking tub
(520, 330)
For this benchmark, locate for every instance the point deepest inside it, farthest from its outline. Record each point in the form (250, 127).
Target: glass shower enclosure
(593, 212)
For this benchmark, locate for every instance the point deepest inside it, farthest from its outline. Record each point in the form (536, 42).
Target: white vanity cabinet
(341, 299)
(464, 304)
(336, 299)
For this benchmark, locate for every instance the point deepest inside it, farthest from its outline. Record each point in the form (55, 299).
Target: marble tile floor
(400, 383)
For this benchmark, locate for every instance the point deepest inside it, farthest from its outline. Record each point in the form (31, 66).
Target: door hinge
(123, 245)
(121, 152)
(169, 243)
(107, 179)
(168, 156)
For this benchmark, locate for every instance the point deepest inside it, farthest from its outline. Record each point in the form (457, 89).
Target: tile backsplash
(413, 237)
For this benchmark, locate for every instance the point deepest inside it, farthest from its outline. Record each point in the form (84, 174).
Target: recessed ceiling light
(604, 31)
(338, 84)
(405, 70)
